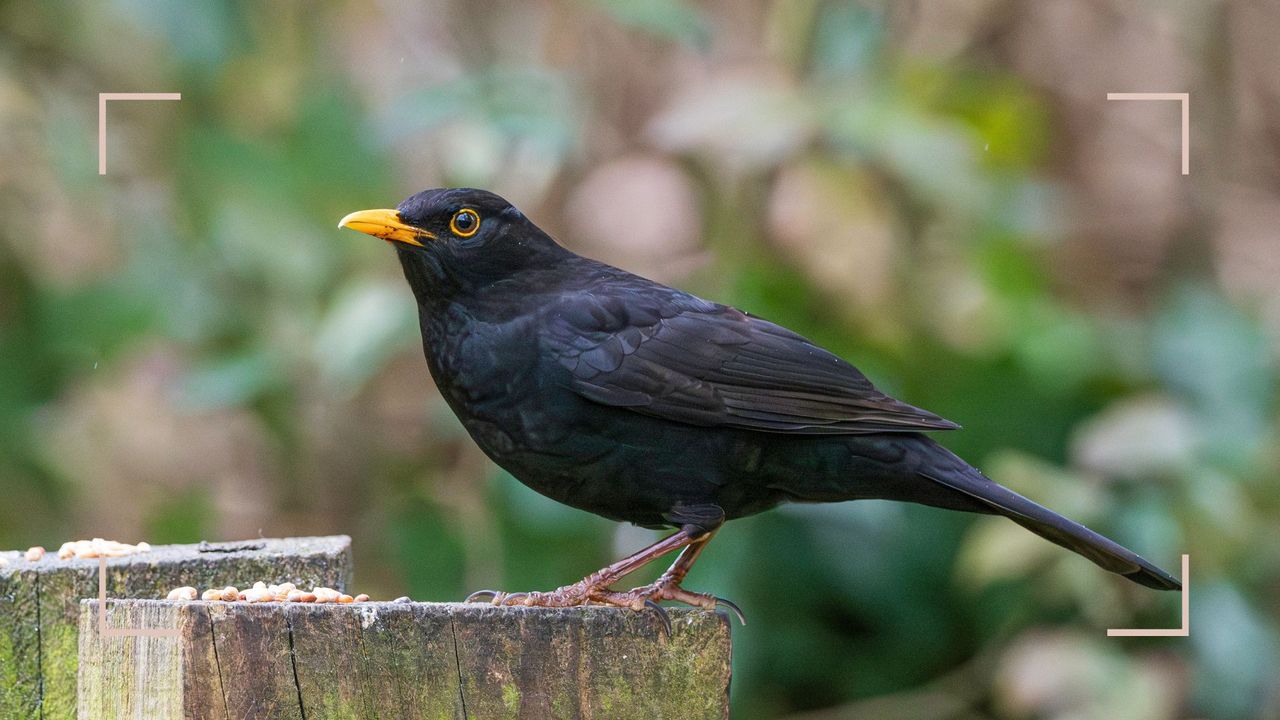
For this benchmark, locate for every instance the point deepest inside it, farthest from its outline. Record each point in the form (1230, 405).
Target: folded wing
(687, 360)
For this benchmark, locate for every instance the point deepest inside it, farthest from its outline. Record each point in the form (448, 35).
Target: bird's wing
(681, 358)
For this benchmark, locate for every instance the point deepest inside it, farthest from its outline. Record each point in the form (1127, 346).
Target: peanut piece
(258, 594)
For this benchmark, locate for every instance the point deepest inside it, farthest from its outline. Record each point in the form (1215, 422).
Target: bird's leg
(671, 579)
(587, 589)
(667, 586)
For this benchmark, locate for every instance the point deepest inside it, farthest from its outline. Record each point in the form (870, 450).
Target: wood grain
(408, 660)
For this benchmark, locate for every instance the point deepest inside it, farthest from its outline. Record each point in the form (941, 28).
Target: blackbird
(642, 403)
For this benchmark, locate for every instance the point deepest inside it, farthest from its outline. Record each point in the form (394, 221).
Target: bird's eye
(465, 223)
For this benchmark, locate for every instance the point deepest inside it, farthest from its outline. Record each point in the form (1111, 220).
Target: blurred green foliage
(188, 349)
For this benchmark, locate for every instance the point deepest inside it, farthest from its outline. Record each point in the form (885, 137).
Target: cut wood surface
(402, 660)
(40, 603)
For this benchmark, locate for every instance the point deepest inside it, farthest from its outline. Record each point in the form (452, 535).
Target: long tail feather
(1042, 521)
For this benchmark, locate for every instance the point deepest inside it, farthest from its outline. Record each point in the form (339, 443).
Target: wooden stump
(40, 603)
(402, 660)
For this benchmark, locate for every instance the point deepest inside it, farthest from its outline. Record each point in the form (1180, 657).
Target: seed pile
(98, 547)
(262, 592)
(94, 548)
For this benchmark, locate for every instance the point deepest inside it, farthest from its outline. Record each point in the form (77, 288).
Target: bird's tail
(984, 495)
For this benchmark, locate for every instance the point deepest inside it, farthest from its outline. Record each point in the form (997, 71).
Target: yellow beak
(385, 224)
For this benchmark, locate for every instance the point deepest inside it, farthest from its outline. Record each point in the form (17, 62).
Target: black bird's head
(457, 240)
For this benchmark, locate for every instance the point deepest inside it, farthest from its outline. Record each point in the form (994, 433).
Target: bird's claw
(662, 615)
(737, 611)
(491, 595)
(498, 597)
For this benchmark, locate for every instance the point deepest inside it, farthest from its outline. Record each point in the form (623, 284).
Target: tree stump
(40, 603)
(401, 660)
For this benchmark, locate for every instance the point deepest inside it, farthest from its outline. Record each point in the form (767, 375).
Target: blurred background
(937, 191)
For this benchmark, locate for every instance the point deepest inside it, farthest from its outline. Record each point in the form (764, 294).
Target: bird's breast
(493, 378)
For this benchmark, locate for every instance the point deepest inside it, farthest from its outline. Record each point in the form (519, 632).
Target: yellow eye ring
(465, 223)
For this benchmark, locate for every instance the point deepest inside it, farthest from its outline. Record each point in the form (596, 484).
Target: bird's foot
(579, 593)
(665, 588)
(584, 592)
